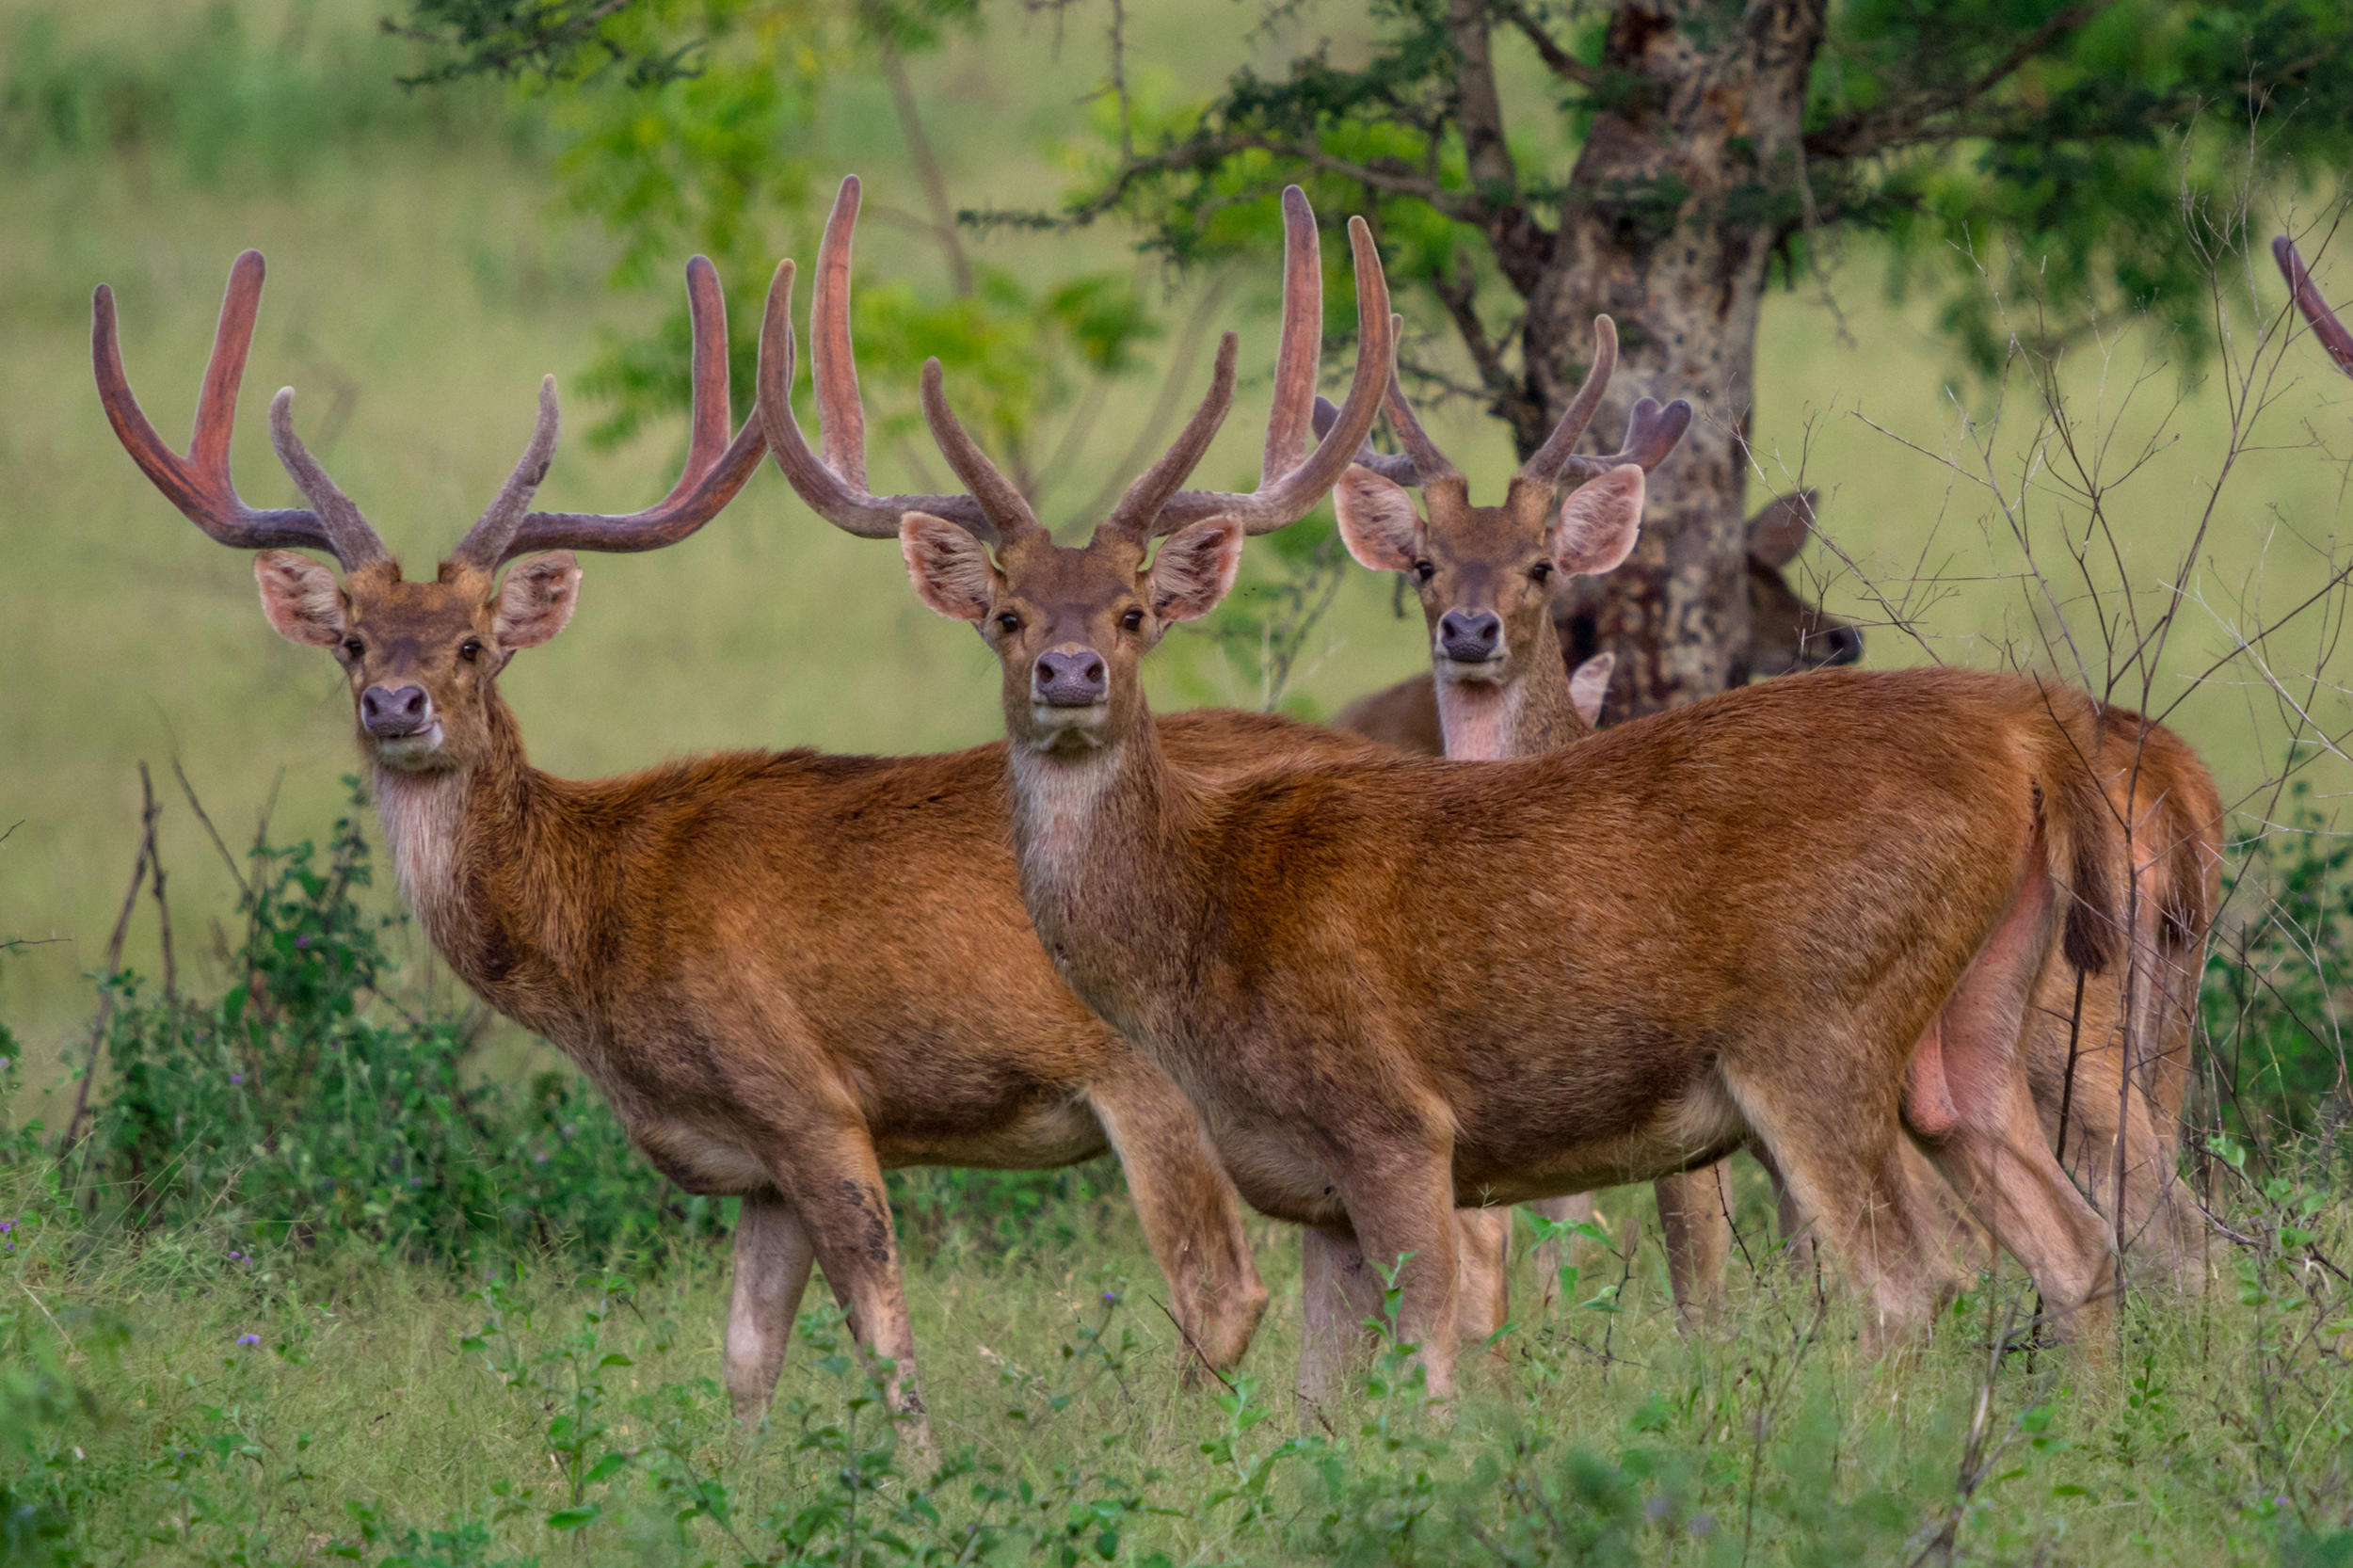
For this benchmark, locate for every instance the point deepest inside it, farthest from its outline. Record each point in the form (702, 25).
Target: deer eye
(1009, 623)
(1131, 620)
(354, 646)
(470, 650)
(1541, 571)
(1425, 570)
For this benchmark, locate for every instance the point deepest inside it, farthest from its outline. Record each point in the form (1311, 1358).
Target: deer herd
(1381, 981)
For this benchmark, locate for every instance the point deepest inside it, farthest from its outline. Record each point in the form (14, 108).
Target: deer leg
(1482, 1275)
(1695, 1215)
(1403, 1208)
(1983, 1131)
(772, 1260)
(836, 1186)
(1340, 1290)
(1338, 1293)
(1191, 1216)
(1838, 1155)
(1795, 1223)
(1550, 1254)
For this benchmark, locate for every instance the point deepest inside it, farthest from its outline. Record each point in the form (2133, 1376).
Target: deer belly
(1540, 1155)
(1036, 1136)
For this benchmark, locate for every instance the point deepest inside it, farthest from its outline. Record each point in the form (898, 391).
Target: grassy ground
(283, 1409)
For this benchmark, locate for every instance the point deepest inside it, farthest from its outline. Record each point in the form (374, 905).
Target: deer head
(1070, 624)
(421, 657)
(1487, 574)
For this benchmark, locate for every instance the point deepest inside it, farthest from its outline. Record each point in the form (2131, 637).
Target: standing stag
(832, 480)
(1486, 577)
(788, 971)
(1395, 987)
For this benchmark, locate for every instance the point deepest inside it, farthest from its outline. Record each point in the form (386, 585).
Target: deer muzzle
(1070, 677)
(1470, 637)
(395, 712)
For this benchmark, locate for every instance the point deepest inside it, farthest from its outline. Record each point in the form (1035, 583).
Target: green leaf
(575, 1518)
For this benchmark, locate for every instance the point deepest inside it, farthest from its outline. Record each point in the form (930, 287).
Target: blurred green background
(433, 251)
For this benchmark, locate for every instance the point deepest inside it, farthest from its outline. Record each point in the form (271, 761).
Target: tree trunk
(1684, 186)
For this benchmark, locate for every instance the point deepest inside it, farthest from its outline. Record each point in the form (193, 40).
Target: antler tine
(200, 484)
(1301, 347)
(1149, 492)
(1652, 430)
(486, 543)
(999, 501)
(349, 535)
(1545, 462)
(2326, 326)
(841, 500)
(1393, 466)
(842, 432)
(1285, 498)
(715, 469)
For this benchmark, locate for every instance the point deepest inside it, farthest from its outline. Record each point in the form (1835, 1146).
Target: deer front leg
(772, 1261)
(1191, 1216)
(1340, 1290)
(1402, 1208)
(1553, 1252)
(1695, 1217)
(835, 1185)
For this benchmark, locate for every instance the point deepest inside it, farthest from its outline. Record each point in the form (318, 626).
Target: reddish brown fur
(1391, 986)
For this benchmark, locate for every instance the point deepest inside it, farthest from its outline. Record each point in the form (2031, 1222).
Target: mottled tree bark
(1689, 179)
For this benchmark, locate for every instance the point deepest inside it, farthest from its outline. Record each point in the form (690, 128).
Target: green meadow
(204, 1385)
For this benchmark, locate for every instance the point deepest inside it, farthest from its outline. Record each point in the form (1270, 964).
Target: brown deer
(788, 971)
(1484, 576)
(1396, 986)
(1787, 634)
(832, 481)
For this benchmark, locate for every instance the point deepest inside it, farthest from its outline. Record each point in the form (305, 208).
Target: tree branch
(1557, 60)
(1870, 131)
(1479, 111)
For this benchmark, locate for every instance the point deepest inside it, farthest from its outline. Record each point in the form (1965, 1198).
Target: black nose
(1469, 638)
(1075, 678)
(389, 712)
(1846, 644)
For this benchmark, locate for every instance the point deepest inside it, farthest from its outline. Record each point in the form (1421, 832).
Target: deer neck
(1099, 837)
(1487, 722)
(445, 830)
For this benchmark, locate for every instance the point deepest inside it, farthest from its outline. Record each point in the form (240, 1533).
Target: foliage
(2065, 136)
(2278, 977)
(301, 1109)
(216, 98)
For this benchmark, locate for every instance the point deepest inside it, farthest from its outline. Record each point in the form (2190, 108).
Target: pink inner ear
(299, 597)
(1195, 569)
(950, 569)
(1378, 522)
(1600, 523)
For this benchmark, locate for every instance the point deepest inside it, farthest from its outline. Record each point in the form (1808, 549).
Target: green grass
(2215, 1431)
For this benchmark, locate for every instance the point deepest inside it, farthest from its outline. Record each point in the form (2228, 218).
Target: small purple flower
(236, 1078)
(248, 1338)
(416, 1181)
(302, 941)
(538, 1160)
(7, 1226)
(236, 1257)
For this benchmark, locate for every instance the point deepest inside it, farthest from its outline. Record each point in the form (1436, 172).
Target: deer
(831, 481)
(1394, 987)
(786, 971)
(1491, 581)
(1788, 635)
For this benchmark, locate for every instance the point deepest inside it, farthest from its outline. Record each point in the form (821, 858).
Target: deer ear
(537, 599)
(1779, 531)
(1378, 522)
(950, 568)
(300, 597)
(1600, 521)
(1195, 569)
(1589, 684)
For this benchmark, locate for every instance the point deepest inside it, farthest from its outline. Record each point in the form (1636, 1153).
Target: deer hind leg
(1969, 1105)
(1191, 1215)
(1340, 1290)
(1838, 1158)
(1695, 1218)
(1551, 1253)
(772, 1261)
(835, 1184)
